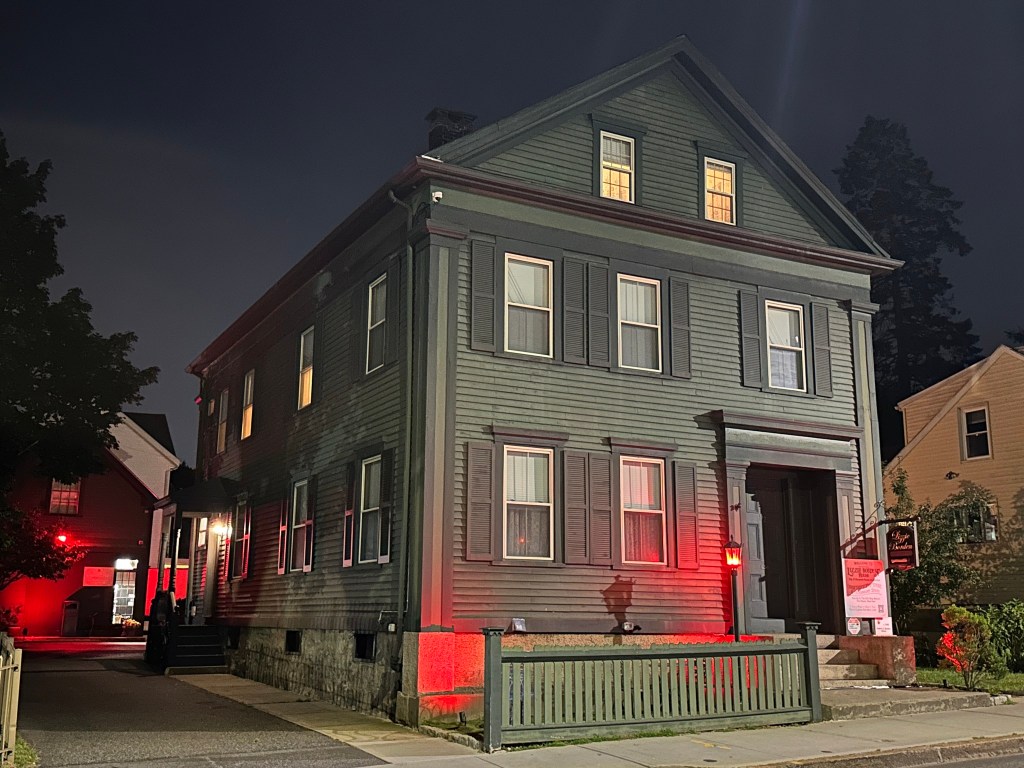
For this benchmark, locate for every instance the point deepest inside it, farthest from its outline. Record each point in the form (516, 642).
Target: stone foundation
(324, 668)
(893, 655)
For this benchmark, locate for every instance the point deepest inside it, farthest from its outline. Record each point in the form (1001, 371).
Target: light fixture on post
(734, 559)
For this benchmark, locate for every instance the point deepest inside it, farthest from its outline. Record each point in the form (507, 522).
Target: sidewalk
(887, 741)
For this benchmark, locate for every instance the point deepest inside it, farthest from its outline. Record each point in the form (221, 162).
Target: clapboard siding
(350, 412)
(674, 120)
(590, 405)
(923, 407)
(1000, 564)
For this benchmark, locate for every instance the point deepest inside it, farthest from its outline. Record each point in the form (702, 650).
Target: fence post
(810, 638)
(492, 688)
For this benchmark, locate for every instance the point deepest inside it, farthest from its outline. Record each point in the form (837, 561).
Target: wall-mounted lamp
(220, 528)
(733, 560)
(951, 475)
(628, 627)
(518, 625)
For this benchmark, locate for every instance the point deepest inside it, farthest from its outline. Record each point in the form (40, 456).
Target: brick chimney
(447, 125)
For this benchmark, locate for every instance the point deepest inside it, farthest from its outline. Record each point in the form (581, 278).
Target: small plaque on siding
(98, 577)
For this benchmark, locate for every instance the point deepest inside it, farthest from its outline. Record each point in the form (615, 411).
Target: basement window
(293, 641)
(366, 646)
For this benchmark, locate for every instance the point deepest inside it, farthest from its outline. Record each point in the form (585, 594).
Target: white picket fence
(10, 688)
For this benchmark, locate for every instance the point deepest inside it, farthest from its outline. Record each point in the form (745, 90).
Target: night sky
(200, 149)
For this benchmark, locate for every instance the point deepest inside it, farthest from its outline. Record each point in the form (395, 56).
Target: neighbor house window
(222, 422)
(239, 533)
(528, 511)
(248, 387)
(643, 510)
(527, 305)
(306, 368)
(978, 525)
(787, 367)
(639, 323)
(618, 167)
(64, 498)
(369, 510)
(301, 527)
(376, 323)
(975, 430)
(719, 191)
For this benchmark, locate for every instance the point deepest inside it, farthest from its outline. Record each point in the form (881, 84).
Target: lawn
(1012, 683)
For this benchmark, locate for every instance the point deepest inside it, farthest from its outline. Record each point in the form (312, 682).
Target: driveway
(98, 705)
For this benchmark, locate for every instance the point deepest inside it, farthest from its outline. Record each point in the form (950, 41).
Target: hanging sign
(901, 543)
(865, 588)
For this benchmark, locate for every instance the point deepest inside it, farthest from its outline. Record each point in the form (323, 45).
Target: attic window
(719, 191)
(975, 430)
(618, 167)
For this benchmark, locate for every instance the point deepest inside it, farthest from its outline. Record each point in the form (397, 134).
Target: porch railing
(10, 688)
(547, 695)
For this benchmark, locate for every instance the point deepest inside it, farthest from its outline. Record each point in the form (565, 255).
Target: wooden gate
(538, 696)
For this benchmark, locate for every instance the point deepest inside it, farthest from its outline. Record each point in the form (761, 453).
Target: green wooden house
(537, 381)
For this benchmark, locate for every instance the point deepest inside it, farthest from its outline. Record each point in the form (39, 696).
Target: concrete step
(213, 670)
(852, 703)
(826, 641)
(874, 683)
(829, 672)
(837, 656)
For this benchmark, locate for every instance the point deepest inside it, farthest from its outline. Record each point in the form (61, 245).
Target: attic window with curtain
(618, 167)
(719, 191)
(306, 368)
(64, 498)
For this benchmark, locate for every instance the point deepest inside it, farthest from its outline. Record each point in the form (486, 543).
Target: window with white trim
(527, 511)
(787, 364)
(239, 533)
(376, 323)
(978, 525)
(618, 167)
(528, 294)
(975, 432)
(639, 323)
(306, 368)
(369, 510)
(642, 492)
(64, 497)
(300, 528)
(248, 390)
(719, 191)
(222, 421)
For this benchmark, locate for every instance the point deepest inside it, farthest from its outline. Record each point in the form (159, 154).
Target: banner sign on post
(901, 543)
(865, 588)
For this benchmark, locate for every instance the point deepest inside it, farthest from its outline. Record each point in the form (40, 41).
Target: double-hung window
(642, 491)
(306, 368)
(529, 530)
(369, 510)
(248, 387)
(222, 422)
(975, 432)
(639, 323)
(787, 366)
(719, 191)
(376, 323)
(300, 527)
(64, 498)
(528, 305)
(239, 533)
(618, 167)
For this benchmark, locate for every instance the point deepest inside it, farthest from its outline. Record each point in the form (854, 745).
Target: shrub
(1007, 623)
(967, 647)
(9, 618)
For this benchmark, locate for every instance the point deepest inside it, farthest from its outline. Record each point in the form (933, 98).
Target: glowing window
(64, 498)
(248, 390)
(618, 167)
(643, 510)
(719, 191)
(528, 511)
(306, 368)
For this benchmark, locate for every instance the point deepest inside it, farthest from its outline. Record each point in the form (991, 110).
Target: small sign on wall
(865, 588)
(98, 577)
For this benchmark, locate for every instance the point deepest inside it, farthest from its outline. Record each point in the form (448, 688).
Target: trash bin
(69, 619)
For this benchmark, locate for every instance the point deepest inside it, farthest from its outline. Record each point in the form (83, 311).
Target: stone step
(831, 672)
(826, 641)
(851, 703)
(874, 683)
(837, 656)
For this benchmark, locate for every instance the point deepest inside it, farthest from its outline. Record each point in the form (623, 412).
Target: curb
(453, 736)
(951, 752)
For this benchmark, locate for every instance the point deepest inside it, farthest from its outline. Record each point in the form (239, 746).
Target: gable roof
(155, 425)
(970, 376)
(679, 53)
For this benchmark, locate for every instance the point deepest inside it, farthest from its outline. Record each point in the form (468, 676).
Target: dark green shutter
(822, 350)
(751, 342)
(600, 533)
(686, 515)
(482, 282)
(480, 501)
(679, 308)
(598, 315)
(574, 311)
(387, 504)
(577, 548)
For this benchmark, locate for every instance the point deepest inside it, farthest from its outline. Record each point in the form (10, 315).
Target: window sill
(528, 563)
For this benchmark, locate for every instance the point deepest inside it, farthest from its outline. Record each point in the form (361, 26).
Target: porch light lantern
(734, 559)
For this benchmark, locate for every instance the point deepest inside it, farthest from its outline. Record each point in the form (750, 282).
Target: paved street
(99, 705)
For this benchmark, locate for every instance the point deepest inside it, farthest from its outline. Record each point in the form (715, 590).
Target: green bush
(967, 647)
(1007, 623)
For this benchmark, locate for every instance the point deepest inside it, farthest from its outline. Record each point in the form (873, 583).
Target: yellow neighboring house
(971, 427)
